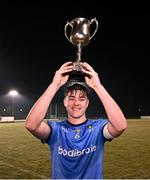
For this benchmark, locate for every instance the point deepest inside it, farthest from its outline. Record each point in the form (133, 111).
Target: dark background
(33, 46)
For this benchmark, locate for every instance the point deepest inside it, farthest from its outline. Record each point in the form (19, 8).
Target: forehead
(79, 93)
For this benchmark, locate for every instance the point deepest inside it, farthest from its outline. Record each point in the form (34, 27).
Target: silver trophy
(80, 36)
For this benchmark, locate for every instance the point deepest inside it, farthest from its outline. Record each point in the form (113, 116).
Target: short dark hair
(76, 87)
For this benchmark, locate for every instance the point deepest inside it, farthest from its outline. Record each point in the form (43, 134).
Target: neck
(76, 121)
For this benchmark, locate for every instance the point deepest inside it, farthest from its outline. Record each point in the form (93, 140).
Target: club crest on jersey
(77, 134)
(90, 128)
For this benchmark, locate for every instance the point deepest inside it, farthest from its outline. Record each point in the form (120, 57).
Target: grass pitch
(22, 156)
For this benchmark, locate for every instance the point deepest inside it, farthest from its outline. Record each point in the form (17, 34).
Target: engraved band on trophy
(80, 36)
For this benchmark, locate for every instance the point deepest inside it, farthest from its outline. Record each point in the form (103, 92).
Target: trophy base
(77, 66)
(77, 76)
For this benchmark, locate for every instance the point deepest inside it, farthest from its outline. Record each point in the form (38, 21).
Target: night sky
(33, 46)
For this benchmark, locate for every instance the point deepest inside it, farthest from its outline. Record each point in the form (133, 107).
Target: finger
(87, 66)
(67, 64)
(65, 70)
(87, 72)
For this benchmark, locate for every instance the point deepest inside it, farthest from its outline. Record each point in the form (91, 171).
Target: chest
(78, 136)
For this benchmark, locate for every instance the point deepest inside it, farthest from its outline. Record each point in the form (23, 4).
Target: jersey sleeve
(53, 135)
(104, 130)
(103, 124)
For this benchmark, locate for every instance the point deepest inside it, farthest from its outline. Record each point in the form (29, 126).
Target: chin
(76, 116)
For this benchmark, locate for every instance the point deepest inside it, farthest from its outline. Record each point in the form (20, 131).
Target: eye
(71, 98)
(82, 99)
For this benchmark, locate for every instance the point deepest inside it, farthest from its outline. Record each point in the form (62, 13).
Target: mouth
(76, 108)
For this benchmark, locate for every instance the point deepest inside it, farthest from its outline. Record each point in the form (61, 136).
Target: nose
(76, 101)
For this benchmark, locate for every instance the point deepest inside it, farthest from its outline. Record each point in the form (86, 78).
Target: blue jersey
(77, 150)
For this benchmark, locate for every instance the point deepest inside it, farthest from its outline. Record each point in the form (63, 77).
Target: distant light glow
(13, 93)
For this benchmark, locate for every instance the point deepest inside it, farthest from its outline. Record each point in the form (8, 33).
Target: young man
(76, 144)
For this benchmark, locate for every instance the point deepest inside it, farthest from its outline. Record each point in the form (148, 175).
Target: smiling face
(76, 103)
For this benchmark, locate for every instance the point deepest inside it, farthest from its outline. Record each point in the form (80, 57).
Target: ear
(65, 102)
(87, 103)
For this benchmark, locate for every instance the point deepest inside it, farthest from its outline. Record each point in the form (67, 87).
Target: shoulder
(56, 123)
(55, 126)
(102, 124)
(98, 122)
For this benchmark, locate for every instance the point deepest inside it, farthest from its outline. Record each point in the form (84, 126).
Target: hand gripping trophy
(80, 37)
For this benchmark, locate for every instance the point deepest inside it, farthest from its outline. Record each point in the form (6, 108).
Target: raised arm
(35, 119)
(117, 122)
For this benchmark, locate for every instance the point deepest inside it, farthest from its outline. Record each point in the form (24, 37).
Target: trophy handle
(65, 29)
(94, 20)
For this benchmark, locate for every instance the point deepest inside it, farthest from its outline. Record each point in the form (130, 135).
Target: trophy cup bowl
(80, 36)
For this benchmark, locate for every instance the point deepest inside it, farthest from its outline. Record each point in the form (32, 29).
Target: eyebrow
(71, 96)
(82, 96)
